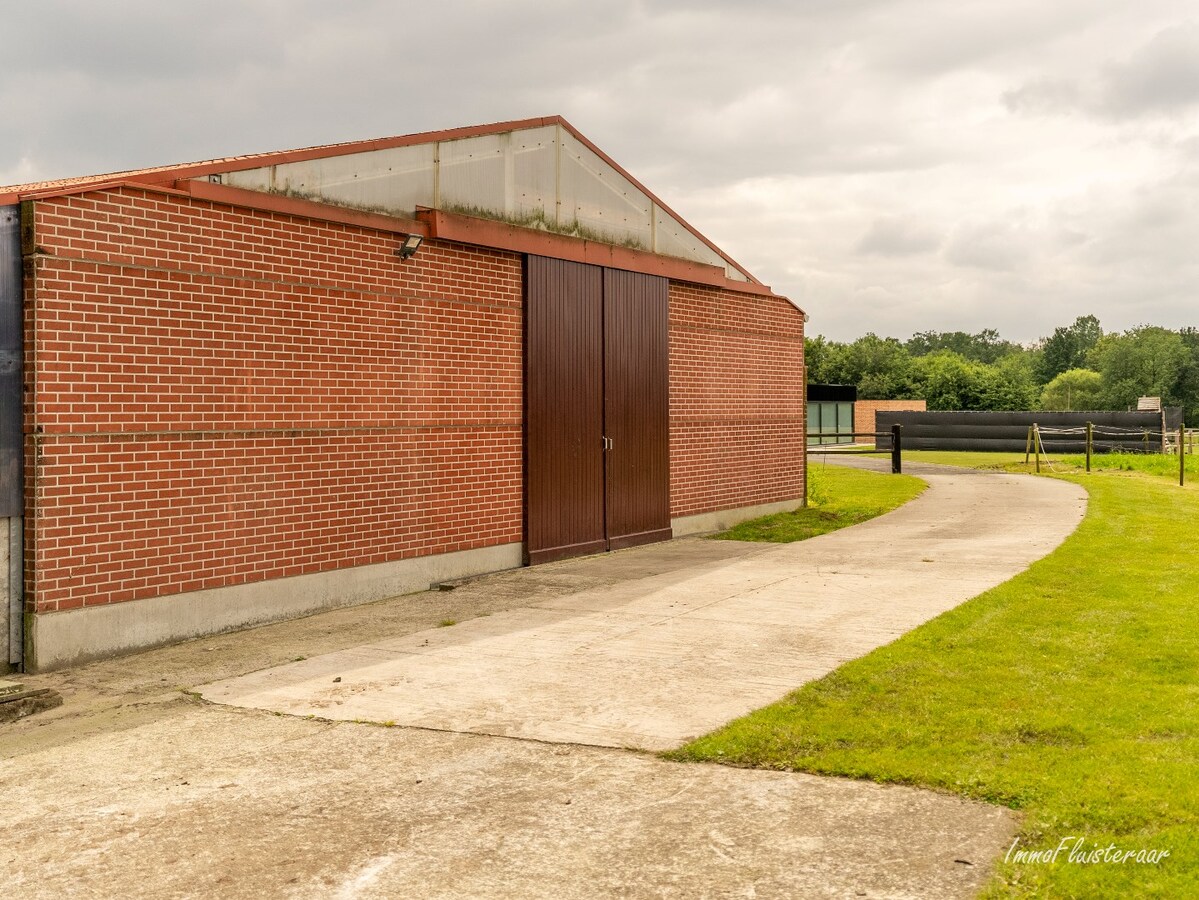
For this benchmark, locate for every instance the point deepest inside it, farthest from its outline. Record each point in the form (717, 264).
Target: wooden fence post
(896, 453)
(1090, 443)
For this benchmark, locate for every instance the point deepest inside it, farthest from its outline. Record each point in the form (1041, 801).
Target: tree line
(1078, 367)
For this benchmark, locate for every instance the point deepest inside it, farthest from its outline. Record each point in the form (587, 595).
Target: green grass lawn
(837, 497)
(1070, 692)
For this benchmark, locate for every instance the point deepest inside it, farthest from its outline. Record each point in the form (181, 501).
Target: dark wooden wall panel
(12, 310)
(636, 407)
(564, 408)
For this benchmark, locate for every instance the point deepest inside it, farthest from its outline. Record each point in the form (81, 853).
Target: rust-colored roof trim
(114, 184)
(490, 233)
(433, 223)
(436, 224)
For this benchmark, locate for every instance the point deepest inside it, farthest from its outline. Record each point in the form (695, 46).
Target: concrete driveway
(134, 789)
(649, 647)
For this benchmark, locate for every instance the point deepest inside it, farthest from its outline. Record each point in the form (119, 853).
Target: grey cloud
(941, 36)
(1151, 231)
(1162, 75)
(710, 84)
(1187, 150)
(1159, 77)
(997, 246)
(194, 81)
(770, 7)
(1045, 96)
(893, 236)
(125, 39)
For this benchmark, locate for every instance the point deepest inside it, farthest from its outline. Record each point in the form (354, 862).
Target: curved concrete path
(213, 801)
(649, 647)
(153, 794)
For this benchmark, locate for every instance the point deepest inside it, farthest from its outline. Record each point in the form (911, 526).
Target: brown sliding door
(596, 409)
(636, 408)
(564, 409)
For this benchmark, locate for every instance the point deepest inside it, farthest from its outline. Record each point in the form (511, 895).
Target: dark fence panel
(11, 331)
(1008, 431)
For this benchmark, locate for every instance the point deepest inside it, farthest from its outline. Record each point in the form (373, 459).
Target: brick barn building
(228, 398)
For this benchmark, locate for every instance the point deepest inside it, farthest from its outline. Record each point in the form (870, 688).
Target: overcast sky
(891, 165)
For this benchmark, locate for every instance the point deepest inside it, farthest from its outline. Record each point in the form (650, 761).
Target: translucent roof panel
(542, 176)
(476, 176)
(602, 202)
(535, 163)
(672, 238)
(507, 176)
(397, 180)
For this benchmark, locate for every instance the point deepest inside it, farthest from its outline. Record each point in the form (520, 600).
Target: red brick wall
(736, 400)
(864, 410)
(222, 396)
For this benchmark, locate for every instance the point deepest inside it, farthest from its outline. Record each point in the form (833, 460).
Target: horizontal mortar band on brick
(336, 287)
(192, 434)
(183, 231)
(738, 421)
(187, 353)
(747, 332)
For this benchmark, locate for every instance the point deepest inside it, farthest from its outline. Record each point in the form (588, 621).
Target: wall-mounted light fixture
(411, 244)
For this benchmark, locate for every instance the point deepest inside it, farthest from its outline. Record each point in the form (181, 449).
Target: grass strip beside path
(1070, 692)
(837, 497)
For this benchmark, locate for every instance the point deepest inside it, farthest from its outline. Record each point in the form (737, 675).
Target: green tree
(948, 381)
(987, 346)
(1074, 389)
(817, 350)
(1010, 383)
(880, 367)
(1143, 362)
(1187, 389)
(1068, 346)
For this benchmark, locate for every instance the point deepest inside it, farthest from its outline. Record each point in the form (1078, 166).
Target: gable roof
(533, 173)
